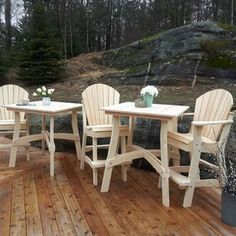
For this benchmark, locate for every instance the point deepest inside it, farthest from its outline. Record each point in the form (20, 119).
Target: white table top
(160, 111)
(37, 107)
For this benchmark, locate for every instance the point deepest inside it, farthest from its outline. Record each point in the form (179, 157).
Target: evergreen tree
(40, 59)
(2, 67)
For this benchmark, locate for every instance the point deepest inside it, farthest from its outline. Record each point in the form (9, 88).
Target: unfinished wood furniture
(11, 94)
(208, 134)
(52, 110)
(166, 114)
(97, 125)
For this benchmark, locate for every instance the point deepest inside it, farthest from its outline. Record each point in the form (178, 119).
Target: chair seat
(104, 131)
(187, 138)
(105, 128)
(9, 124)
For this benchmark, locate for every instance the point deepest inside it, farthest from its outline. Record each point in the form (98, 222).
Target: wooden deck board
(34, 203)
(18, 222)
(33, 221)
(5, 211)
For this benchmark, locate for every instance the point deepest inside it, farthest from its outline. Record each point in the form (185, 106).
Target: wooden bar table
(166, 114)
(52, 110)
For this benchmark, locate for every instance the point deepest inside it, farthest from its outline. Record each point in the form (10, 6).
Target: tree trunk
(232, 12)
(8, 23)
(87, 26)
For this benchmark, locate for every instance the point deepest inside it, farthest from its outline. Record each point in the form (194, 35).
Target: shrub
(217, 54)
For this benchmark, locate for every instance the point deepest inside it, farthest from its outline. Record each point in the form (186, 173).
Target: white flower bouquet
(43, 92)
(149, 90)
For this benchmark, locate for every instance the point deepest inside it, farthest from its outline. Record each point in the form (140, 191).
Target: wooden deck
(33, 203)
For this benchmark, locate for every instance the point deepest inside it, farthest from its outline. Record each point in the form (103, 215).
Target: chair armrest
(217, 122)
(188, 114)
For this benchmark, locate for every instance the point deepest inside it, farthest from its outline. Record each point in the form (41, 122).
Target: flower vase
(148, 100)
(46, 101)
(228, 208)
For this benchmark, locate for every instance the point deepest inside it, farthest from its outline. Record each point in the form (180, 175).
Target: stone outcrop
(175, 53)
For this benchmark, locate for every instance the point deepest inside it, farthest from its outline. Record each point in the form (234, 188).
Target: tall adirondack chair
(11, 94)
(97, 125)
(208, 134)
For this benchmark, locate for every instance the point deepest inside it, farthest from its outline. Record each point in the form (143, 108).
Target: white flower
(39, 90)
(149, 90)
(35, 94)
(44, 88)
(44, 93)
(49, 92)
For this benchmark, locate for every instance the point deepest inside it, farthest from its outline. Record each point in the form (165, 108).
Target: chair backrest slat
(94, 98)
(212, 106)
(11, 94)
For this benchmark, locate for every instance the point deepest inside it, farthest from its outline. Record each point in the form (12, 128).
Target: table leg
(52, 145)
(165, 164)
(111, 153)
(16, 136)
(44, 129)
(131, 130)
(74, 121)
(27, 134)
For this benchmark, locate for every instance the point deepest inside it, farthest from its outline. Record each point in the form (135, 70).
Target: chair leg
(95, 176)
(194, 169)
(95, 157)
(188, 196)
(83, 151)
(159, 182)
(176, 159)
(27, 154)
(124, 167)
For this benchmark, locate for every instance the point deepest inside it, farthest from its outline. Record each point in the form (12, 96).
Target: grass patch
(151, 38)
(227, 27)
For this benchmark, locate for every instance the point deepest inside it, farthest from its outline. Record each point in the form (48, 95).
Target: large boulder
(176, 52)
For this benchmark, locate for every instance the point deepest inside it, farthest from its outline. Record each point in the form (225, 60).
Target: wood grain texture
(18, 226)
(69, 203)
(96, 97)
(5, 208)
(11, 94)
(208, 134)
(97, 124)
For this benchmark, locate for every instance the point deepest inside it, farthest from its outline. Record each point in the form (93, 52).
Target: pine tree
(2, 69)
(40, 59)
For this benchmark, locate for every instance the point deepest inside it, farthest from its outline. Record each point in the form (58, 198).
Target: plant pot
(46, 101)
(228, 208)
(148, 100)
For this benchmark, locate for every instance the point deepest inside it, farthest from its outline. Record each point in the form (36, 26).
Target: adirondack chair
(96, 124)
(11, 94)
(208, 134)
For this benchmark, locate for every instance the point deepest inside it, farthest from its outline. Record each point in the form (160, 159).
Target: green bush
(217, 54)
(228, 27)
(223, 62)
(214, 47)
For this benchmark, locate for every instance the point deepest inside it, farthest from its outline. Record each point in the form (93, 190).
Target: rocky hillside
(176, 52)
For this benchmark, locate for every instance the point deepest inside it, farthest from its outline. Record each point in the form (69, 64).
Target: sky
(17, 11)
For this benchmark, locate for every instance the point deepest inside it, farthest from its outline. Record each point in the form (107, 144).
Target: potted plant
(226, 173)
(45, 94)
(148, 93)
